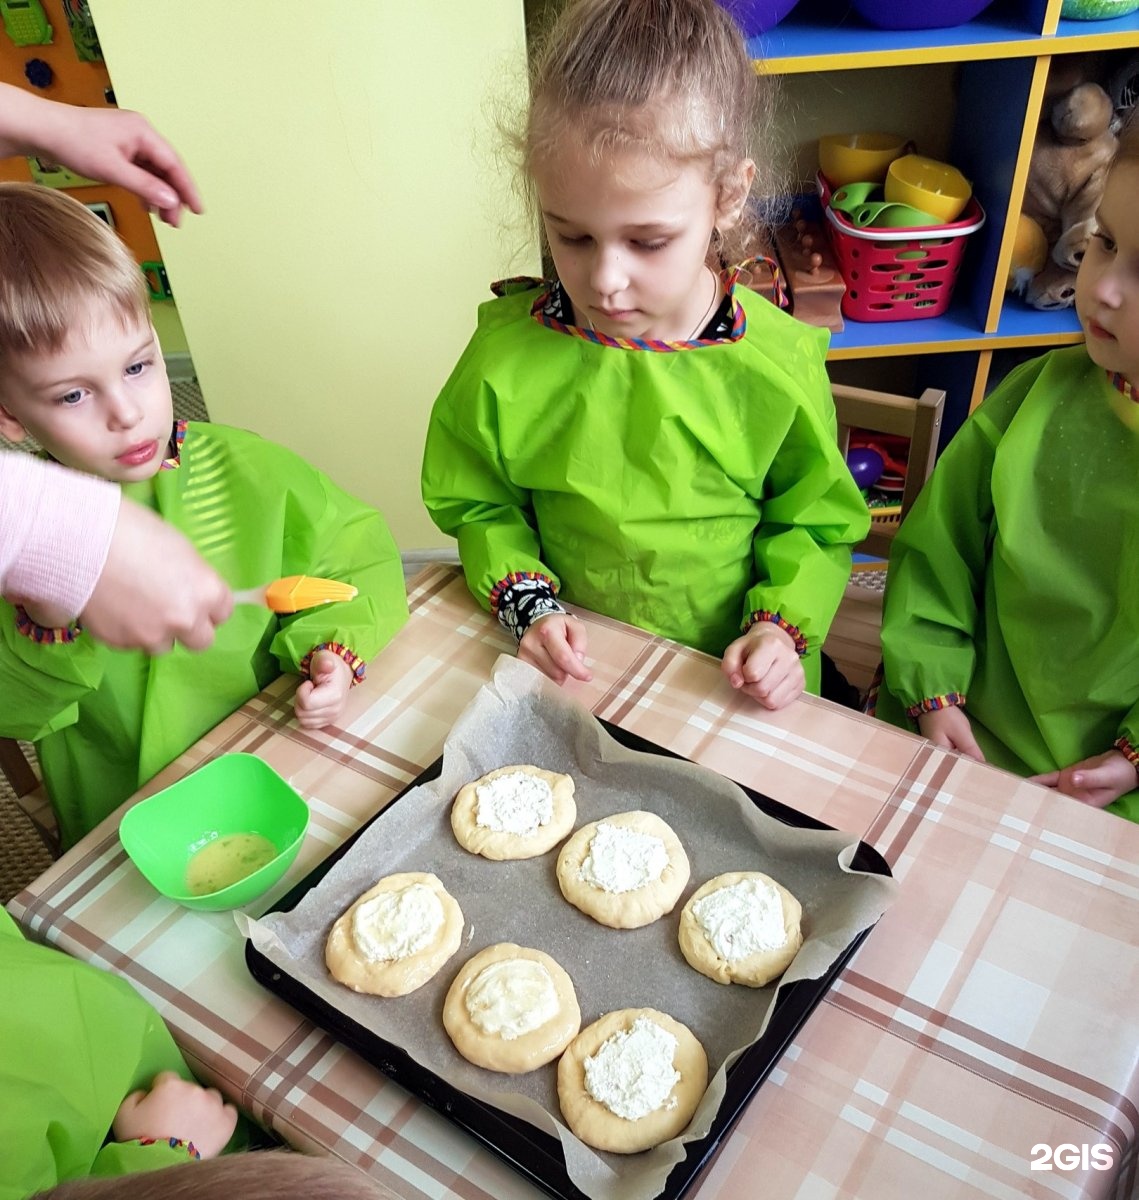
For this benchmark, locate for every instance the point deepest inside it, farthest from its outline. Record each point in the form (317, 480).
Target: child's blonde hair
(671, 77)
(254, 1175)
(57, 261)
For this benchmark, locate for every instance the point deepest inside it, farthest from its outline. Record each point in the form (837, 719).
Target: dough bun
(514, 1056)
(501, 844)
(756, 970)
(594, 1123)
(624, 910)
(394, 977)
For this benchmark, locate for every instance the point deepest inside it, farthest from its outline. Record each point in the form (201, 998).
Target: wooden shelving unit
(1002, 59)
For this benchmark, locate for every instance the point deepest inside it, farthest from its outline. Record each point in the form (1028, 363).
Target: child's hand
(1096, 781)
(765, 665)
(556, 646)
(950, 729)
(176, 1108)
(320, 699)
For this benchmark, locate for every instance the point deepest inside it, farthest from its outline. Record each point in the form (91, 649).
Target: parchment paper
(521, 717)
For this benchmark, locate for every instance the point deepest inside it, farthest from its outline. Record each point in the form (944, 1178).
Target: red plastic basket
(898, 274)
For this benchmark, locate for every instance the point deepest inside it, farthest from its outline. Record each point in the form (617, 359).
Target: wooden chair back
(918, 419)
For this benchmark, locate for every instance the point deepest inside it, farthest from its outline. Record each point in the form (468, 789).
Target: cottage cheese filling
(741, 919)
(395, 925)
(512, 997)
(622, 860)
(514, 803)
(632, 1072)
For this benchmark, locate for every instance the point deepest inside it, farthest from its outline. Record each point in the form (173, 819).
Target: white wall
(355, 210)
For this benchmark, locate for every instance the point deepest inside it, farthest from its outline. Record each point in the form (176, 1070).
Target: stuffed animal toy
(1029, 254)
(1075, 145)
(1054, 287)
(1074, 148)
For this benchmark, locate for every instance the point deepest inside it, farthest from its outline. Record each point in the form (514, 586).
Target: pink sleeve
(55, 531)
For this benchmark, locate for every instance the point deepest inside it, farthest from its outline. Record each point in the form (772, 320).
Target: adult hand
(321, 698)
(155, 589)
(109, 144)
(1096, 781)
(556, 646)
(177, 1108)
(950, 729)
(765, 665)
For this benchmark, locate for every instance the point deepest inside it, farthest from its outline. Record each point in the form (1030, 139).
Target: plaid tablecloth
(987, 1022)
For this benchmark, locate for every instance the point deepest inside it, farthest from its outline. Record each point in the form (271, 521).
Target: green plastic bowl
(233, 794)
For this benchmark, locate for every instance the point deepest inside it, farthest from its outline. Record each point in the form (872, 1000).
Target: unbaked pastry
(395, 936)
(741, 927)
(631, 1080)
(624, 871)
(514, 812)
(511, 1009)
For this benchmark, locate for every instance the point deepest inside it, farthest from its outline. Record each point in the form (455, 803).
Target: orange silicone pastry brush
(296, 592)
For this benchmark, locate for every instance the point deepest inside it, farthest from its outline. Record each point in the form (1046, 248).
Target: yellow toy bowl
(934, 187)
(235, 819)
(854, 157)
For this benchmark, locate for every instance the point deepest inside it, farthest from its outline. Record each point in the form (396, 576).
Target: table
(987, 1022)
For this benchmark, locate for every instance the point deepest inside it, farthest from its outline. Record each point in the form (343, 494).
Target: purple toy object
(866, 466)
(918, 14)
(757, 16)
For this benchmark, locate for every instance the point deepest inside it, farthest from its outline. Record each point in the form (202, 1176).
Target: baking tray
(533, 1153)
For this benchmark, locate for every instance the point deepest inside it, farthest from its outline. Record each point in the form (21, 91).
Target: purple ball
(757, 16)
(866, 466)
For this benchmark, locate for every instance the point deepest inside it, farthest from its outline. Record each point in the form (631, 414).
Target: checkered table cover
(989, 1013)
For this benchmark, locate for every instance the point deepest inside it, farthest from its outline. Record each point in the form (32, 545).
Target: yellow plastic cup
(853, 157)
(934, 187)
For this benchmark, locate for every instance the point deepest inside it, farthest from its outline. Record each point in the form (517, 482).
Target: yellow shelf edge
(980, 342)
(1033, 110)
(862, 59)
(981, 378)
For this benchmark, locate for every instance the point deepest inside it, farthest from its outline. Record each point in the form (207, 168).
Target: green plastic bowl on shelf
(232, 795)
(1097, 10)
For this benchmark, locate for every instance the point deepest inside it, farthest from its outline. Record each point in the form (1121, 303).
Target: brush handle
(251, 596)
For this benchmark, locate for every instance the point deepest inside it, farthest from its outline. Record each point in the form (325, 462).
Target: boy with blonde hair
(81, 371)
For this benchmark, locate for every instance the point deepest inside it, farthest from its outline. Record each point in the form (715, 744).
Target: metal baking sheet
(530, 1150)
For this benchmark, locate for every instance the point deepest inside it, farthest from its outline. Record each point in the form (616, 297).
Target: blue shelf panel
(956, 330)
(846, 34)
(956, 325)
(1018, 320)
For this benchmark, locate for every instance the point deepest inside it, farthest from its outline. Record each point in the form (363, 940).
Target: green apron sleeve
(469, 496)
(42, 683)
(812, 513)
(332, 535)
(123, 1158)
(76, 1041)
(939, 559)
(1129, 736)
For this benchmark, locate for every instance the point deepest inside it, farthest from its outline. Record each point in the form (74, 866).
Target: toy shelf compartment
(828, 35)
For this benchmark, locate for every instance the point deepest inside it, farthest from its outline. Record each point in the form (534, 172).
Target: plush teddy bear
(1073, 151)
(1074, 148)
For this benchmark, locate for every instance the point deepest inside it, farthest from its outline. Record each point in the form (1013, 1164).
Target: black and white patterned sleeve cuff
(520, 599)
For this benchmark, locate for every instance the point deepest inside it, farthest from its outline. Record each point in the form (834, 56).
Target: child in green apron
(81, 371)
(1011, 623)
(646, 437)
